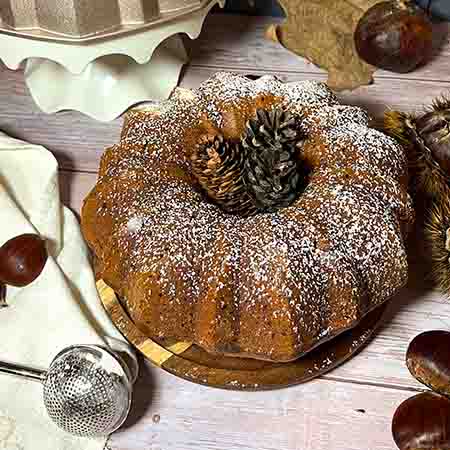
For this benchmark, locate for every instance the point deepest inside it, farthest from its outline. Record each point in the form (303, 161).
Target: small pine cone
(217, 164)
(271, 128)
(437, 235)
(274, 182)
(271, 166)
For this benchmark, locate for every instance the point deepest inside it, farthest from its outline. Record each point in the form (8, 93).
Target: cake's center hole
(261, 172)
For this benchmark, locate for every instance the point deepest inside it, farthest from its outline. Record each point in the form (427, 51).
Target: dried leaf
(322, 31)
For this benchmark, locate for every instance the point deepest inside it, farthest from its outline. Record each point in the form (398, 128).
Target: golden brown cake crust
(272, 286)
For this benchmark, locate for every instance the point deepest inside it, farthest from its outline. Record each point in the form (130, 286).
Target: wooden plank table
(348, 409)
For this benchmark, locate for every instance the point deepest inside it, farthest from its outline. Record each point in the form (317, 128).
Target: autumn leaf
(322, 32)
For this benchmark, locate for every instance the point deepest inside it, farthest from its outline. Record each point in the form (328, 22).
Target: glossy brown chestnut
(422, 422)
(394, 35)
(428, 360)
(22, 260)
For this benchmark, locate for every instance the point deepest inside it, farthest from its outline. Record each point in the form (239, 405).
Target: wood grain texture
(74, 187)
(237, 42)
(319, 415)
(78, 142)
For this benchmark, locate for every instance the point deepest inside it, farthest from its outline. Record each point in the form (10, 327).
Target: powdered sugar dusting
(271, 285)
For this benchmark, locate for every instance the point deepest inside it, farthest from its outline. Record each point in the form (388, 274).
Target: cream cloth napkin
(59, 309)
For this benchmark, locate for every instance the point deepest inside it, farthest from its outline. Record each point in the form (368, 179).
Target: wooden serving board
(190, 362)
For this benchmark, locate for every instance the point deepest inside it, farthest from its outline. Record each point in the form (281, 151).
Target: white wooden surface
(351, 407)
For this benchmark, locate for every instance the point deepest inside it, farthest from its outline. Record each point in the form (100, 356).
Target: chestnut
(422, 422)
(394, 35)
(428, 360)
(22, 260)
(433, 127)
(3, 296)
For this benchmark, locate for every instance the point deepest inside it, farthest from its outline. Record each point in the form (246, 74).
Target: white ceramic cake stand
(104, 78)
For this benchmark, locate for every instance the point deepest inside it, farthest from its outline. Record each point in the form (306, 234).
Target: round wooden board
(190, 362)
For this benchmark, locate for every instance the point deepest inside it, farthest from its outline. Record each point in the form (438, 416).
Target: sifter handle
(22, 371)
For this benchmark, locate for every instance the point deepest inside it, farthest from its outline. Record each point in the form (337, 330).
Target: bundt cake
(271, 285)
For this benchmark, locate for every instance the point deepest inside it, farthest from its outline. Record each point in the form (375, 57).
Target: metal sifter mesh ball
(87, 389)
(86, 393)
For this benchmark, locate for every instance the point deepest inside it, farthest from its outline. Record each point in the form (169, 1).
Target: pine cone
(271, 165)
(218, 164)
